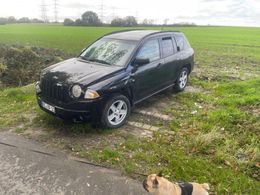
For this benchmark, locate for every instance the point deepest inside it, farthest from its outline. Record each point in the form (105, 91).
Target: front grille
(54, 91)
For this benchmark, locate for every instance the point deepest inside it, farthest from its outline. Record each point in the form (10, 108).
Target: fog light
(76, 91)
(37, 87)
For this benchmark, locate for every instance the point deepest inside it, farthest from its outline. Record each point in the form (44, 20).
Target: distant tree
(11, 19)
(90, 18)
(127, 21)
(3, 21)
(35, 20)
(78, 22)
(118, 22)
(147, 22)
(130, 21)
(68, 22)
(24, 20)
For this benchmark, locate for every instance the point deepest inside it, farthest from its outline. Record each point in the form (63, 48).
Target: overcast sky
(203, 12)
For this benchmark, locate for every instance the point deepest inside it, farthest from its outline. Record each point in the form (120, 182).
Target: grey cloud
(238, 10)
(79, 5)
(210, 1)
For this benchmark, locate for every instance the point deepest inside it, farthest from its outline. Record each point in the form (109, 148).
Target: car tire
(182, 80)
(116, 112)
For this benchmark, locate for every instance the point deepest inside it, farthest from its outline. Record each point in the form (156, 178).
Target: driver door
(148, 78)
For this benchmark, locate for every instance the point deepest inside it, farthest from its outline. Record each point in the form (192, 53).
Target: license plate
(48, 107)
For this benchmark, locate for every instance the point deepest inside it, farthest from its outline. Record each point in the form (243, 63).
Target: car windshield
(109, 51)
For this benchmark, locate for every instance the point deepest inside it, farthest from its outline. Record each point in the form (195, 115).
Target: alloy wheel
(117, 112)
(183, 79)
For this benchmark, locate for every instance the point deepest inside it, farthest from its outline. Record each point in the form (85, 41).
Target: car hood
(78, 71)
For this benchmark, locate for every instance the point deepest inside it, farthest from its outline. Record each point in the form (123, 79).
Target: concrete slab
(26, 167)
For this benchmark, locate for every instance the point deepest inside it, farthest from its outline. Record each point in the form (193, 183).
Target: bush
(127, 21)
(68, 22)
(118, 22)
(90, 18)
(21, 65)
(3, 21)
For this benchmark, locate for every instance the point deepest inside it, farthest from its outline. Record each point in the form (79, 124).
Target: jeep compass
(115, 73)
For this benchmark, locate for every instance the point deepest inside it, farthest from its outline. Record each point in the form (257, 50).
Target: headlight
(76, 91)
(37, 87)
(91, 94)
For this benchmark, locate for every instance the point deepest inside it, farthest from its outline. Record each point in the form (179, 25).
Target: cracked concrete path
(26, 167)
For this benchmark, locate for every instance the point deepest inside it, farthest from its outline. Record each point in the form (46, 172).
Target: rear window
(182, 42)
(167, 46)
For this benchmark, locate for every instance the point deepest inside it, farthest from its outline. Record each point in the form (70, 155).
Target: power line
(113, 12)
(102, 11)
(56, 10)
(43, 7)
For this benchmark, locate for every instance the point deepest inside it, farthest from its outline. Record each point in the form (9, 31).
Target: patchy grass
(15, 105)
(219, 143)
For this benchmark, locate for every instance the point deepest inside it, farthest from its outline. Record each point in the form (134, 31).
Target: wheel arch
(188, 66)
(128, 93)
(125, 91)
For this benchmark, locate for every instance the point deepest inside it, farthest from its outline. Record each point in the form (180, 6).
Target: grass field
(74, 39)
(215, 130)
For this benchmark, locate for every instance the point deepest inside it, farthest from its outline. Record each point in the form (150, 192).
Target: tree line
(12, 20)
(91, 18)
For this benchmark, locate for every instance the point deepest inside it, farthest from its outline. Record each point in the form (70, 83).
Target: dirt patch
(192, 89)
(137, 132)
(157, 103)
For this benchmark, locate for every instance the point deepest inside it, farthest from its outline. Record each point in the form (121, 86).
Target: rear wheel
(182, 79)
(116, 112)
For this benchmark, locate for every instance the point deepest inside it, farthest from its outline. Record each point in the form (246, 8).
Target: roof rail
(166, 31)
(119, 31)
(158, 32)
(154, 33)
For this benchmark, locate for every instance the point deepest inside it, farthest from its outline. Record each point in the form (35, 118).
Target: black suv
(114, 73)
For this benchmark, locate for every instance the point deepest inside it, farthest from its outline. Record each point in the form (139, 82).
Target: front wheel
(182, 79)
(116, 112)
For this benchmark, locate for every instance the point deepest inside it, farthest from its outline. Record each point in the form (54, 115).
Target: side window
(167, 46)
(150, 50)
(180, 41)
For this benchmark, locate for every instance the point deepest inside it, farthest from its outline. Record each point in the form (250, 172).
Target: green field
(73, 39)
(228, 46)
(219, 143)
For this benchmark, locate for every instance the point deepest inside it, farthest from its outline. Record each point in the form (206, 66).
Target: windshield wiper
(99, 61)
(83, 58)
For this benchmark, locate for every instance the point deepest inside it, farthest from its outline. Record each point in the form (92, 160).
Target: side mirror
(141, 61)
(178, 48)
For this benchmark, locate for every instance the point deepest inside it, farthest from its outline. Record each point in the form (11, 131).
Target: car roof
(135, 35)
